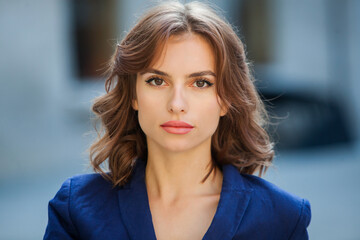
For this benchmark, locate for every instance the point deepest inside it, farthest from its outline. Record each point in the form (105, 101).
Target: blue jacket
(89, 207)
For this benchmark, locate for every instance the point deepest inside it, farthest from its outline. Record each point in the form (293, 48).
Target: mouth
(177, 127)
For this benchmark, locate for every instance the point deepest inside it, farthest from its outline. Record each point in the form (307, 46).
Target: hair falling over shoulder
(240, 139)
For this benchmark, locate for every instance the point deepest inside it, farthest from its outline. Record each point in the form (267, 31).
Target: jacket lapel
(135, 210)
(234, 199)
(134, 205)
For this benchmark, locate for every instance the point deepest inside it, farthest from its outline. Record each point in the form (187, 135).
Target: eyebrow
(195, 74)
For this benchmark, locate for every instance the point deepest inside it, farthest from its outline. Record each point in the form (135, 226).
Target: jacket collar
(135, 210)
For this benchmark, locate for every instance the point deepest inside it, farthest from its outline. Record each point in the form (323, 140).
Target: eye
(202, 83)
(156, 81)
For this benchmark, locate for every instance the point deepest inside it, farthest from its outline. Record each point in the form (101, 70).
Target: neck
(174, 175)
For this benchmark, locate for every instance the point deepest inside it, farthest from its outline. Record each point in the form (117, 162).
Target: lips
(177, 127)
(177, 124)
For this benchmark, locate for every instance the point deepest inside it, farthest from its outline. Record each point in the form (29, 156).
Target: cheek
(148, 110)
(209, 114)
(145, 121)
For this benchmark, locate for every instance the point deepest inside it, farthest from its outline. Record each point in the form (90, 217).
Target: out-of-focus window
(94, 28)
(256, 26)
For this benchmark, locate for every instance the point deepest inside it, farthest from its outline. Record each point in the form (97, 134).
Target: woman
(183, 134)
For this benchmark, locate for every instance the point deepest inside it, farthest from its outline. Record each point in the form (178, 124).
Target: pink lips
(177, 127)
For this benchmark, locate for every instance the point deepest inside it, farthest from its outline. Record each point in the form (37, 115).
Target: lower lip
(177, 130)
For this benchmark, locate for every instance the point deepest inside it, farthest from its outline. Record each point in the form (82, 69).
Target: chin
(183, 145)
(177, 147)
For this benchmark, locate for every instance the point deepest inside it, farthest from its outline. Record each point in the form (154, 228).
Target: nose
(177, 101)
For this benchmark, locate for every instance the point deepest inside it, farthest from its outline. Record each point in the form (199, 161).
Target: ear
(134, 104)
(223, 110)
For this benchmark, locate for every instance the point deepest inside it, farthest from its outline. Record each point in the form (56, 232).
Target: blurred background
(306, 57)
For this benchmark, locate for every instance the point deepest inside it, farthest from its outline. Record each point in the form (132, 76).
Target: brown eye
(200, 83)
(156, 81)
(203, 84)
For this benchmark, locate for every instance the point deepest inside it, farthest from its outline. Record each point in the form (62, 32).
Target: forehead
(186, 51)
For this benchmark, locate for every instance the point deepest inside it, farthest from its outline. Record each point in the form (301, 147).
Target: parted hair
(240, 139)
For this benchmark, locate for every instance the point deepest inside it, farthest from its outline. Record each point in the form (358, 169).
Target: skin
(177, 163)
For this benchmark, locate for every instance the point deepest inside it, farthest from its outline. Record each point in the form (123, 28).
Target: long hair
(240, 139)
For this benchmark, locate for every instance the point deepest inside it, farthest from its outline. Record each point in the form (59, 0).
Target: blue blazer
(89, 207)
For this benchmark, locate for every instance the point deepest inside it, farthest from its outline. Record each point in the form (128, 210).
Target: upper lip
(179, 124)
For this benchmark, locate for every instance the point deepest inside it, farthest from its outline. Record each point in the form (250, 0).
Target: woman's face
(179, 86)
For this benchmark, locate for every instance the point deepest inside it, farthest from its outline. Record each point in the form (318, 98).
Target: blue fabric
(89, 207)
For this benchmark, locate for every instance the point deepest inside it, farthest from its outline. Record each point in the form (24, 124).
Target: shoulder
(286, 211)
(84, 184)
(261, 189)
(275, 210)
(85, 207)
(270, 192)
(88, 178)
(89, 182)
(76, 189)
(88, 188)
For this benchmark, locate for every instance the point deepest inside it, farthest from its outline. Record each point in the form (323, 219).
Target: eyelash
(209, 84)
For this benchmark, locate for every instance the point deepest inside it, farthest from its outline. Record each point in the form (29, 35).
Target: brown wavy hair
(240, 139)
